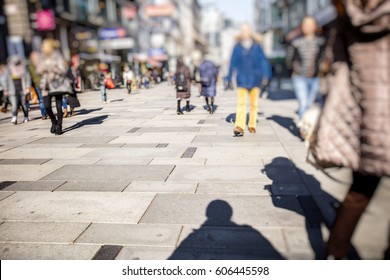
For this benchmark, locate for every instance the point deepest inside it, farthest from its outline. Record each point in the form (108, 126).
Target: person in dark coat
(208, 82)
(183, 85)
(75, 78)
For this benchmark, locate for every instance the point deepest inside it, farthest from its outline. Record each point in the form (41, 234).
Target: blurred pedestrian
(102, 79)
(36, 81)
(54, 82)
(128, 77)
(18, 86)
(303, 57)
(183, 85)
(208, 73)
(3, 84)
(253, 71)
(74, 76)
(363, 47)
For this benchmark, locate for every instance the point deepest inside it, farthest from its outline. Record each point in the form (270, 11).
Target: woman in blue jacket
(253, 70)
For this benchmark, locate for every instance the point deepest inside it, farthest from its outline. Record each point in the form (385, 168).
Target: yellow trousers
(241, 107)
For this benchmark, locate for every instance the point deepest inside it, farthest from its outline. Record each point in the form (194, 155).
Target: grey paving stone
(178, 161)
(168, 129)
(23, 161)
(162, 187)
(301, 239)
(92, 146)
(44, 153)
(136, 153)
(219, 174)
(153, 138)
(35, 186)
(223, 138)
(73, 161)
(5, 184)
(25, 251)
(107, 252)
(118, 173)
(83, 140)
(125, 161)
(25, 172)
(186, 209)
(93, 186)
(85, 207)
(4, 195)
(233, 188)
(41, 232)
(133, 235)
(145, 253)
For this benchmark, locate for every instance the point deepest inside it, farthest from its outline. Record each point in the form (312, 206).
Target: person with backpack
(208, 83)
(253, 71)
(183, 85)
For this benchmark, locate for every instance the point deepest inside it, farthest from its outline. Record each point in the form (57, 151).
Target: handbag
(59, 86)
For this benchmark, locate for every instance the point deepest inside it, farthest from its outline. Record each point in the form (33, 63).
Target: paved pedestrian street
(133, 180)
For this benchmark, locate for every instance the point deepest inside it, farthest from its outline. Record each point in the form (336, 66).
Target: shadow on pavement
(221, 239)
(280, 95)
(86, 112)
(283, 193)
(287, 123)
(90, 121)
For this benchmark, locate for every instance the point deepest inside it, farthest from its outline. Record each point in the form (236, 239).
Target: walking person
(183, 85)
(75, 79)
(128, 77)
(54, 82)
(3, 83)
(253, 70)
(102, 80)
(17, 87)
(208, 82)
(303, 57)
(36, 81)
(362, 45)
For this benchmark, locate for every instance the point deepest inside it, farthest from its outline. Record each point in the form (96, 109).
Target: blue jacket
(208, 73)
(251, 65)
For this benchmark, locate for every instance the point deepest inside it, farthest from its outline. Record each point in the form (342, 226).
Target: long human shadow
(219, 238)
(281, 95)
(287, 123)
(90, 121)
(281, 170)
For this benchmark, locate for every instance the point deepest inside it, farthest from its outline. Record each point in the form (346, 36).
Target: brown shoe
(252, 130)
(238, 131)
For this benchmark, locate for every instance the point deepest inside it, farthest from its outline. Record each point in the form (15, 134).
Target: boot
(71, 112)
(65, 115)
(211, 109)
(58, 130)
(179, 111)
(188, 109)
(53, 127)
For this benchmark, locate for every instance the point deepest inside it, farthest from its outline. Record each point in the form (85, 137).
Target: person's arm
(28, 82)
(291, 51)
(233, 64)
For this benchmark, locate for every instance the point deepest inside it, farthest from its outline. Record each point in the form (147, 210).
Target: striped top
(304, 56)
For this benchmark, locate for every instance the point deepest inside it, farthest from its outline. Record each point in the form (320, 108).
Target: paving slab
(35, 186)
(154, 137)
(232, 174)
(136, 153)
(233, 188)
(25, 251)
(131, 235)
(167, 129)
(23, 161)
(187, 209)
(162, 187)
(86, 207)
(26, 172)
(145, 253)
(82, 140)
(223, 138)
(73, 161)
(178, 161)
(124, 161)
(93, 186)
(117, 173)
(44, 153)
(4, 195)
(40, 232)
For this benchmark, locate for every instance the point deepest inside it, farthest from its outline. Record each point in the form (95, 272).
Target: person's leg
(314, 90)
(188, 109)
(207, 104)
(102, 93)
(241, 108)
(41, 103)
(179, 111)
(15, 105)
(23, 104)
(49, 111)
(59, 109)
(301, 93)
(349, 213)
(254, 99)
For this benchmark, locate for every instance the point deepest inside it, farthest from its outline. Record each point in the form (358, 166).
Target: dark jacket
(251, 65)
(208, 70)
(187, 74)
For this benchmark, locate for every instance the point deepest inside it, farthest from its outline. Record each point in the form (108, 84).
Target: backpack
(181, 82)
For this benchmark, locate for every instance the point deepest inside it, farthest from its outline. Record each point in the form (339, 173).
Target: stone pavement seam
(74, 241)
(166, 179)
(147, 208)
(60, 186)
